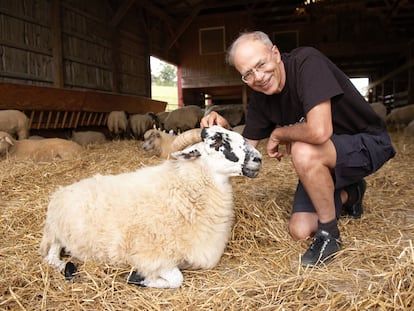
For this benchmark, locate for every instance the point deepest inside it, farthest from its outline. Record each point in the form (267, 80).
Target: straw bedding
(260, 268)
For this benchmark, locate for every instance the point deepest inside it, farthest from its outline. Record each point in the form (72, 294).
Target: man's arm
(317, 128)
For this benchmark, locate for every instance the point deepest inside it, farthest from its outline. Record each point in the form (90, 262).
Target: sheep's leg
(168, 279)
(53, 257)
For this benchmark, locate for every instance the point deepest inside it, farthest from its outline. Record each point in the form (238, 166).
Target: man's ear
(186, 154)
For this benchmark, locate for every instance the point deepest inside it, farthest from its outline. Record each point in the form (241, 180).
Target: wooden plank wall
(71, 44)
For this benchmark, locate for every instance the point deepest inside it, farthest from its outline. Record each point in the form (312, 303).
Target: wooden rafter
(121, 12)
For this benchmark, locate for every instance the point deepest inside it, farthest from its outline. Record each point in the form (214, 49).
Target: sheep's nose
(257, 159)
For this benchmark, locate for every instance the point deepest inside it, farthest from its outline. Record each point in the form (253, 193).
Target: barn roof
(385, 27)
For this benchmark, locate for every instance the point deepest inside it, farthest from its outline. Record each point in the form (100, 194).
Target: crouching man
(304, 101)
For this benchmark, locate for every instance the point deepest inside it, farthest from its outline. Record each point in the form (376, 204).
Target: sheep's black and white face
(150, 139)
(230, 152)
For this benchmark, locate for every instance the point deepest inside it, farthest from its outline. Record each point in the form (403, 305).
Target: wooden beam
(185, 25)
(58, 79)
(393, 73)
(121, 12)
(150, 7)
(28, 97)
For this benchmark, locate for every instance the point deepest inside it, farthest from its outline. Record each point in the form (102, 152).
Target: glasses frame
(260, 67)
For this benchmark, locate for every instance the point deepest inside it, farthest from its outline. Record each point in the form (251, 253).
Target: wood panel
(52, 108)
(24, 97)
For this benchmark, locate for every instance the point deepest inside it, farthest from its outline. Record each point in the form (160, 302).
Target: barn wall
(71, 44)
(202, 70)
(208, 75)
(352, 36)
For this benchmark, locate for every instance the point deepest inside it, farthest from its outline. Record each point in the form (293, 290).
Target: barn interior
(68, 63)
(64, 60)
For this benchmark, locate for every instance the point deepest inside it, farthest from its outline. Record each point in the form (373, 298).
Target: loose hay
(260, 268)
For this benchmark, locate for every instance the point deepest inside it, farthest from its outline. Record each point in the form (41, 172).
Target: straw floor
(260, 268)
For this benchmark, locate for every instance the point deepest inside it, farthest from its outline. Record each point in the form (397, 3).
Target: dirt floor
(260, 269)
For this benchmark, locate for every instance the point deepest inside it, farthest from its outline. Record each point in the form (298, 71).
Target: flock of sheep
(398, 118)
(15, 141)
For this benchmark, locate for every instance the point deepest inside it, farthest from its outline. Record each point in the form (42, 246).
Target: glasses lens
(247, 77)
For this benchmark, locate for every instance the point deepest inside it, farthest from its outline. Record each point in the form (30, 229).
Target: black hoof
(70, 270)
(135, 278)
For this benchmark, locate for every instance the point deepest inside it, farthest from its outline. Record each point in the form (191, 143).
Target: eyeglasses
(261, 67)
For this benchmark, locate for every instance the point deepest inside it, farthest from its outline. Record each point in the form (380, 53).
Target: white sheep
(47, 149)
(400, 116)
(14, 122)
(85, 138)
(117, 123)
(139, 124)
(183, 119)
(158, 219)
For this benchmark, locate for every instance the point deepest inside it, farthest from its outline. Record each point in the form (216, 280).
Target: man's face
(260, 66)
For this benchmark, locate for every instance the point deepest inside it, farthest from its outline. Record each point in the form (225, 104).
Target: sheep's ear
(186, 154)
(8, 140)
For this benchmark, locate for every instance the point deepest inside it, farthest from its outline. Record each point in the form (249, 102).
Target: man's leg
(314, 165)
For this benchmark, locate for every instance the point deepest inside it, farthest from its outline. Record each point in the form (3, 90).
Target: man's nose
(257, 74)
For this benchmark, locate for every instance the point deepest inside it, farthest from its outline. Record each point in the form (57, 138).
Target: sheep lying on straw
(85, 138)
(157, 219)
(47, 149)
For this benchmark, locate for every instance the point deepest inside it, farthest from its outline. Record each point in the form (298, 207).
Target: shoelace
(320, 241)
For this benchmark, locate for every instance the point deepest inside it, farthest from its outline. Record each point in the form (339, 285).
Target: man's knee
(303, 226)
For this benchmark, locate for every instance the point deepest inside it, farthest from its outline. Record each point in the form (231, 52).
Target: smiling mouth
(265, 82)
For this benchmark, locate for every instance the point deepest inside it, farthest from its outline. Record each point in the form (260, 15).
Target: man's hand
(213, 118)
(272, 148)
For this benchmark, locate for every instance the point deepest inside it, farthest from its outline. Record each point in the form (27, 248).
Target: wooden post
(58, 79)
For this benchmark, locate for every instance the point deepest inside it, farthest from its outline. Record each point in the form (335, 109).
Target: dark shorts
(357, 156)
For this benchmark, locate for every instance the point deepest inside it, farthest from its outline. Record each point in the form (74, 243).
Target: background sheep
(164, 143)
(239, 128)
(159, 119)
(14, 122)
(157, 219)
(401, 116)
(139, 124)
(183, 119)
(88, 137)
(117, 123)
(380, 109)
(158, 141)
(409, 130)
(38, 150)
(233, 113)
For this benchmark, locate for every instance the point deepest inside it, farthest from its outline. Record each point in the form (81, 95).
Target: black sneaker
(353, 206)
(322, 249)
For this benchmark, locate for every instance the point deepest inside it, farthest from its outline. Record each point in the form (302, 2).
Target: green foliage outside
(167, 76)
(164, 86)
(168, 94)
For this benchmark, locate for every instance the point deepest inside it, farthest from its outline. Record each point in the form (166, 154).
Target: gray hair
(247, 36)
